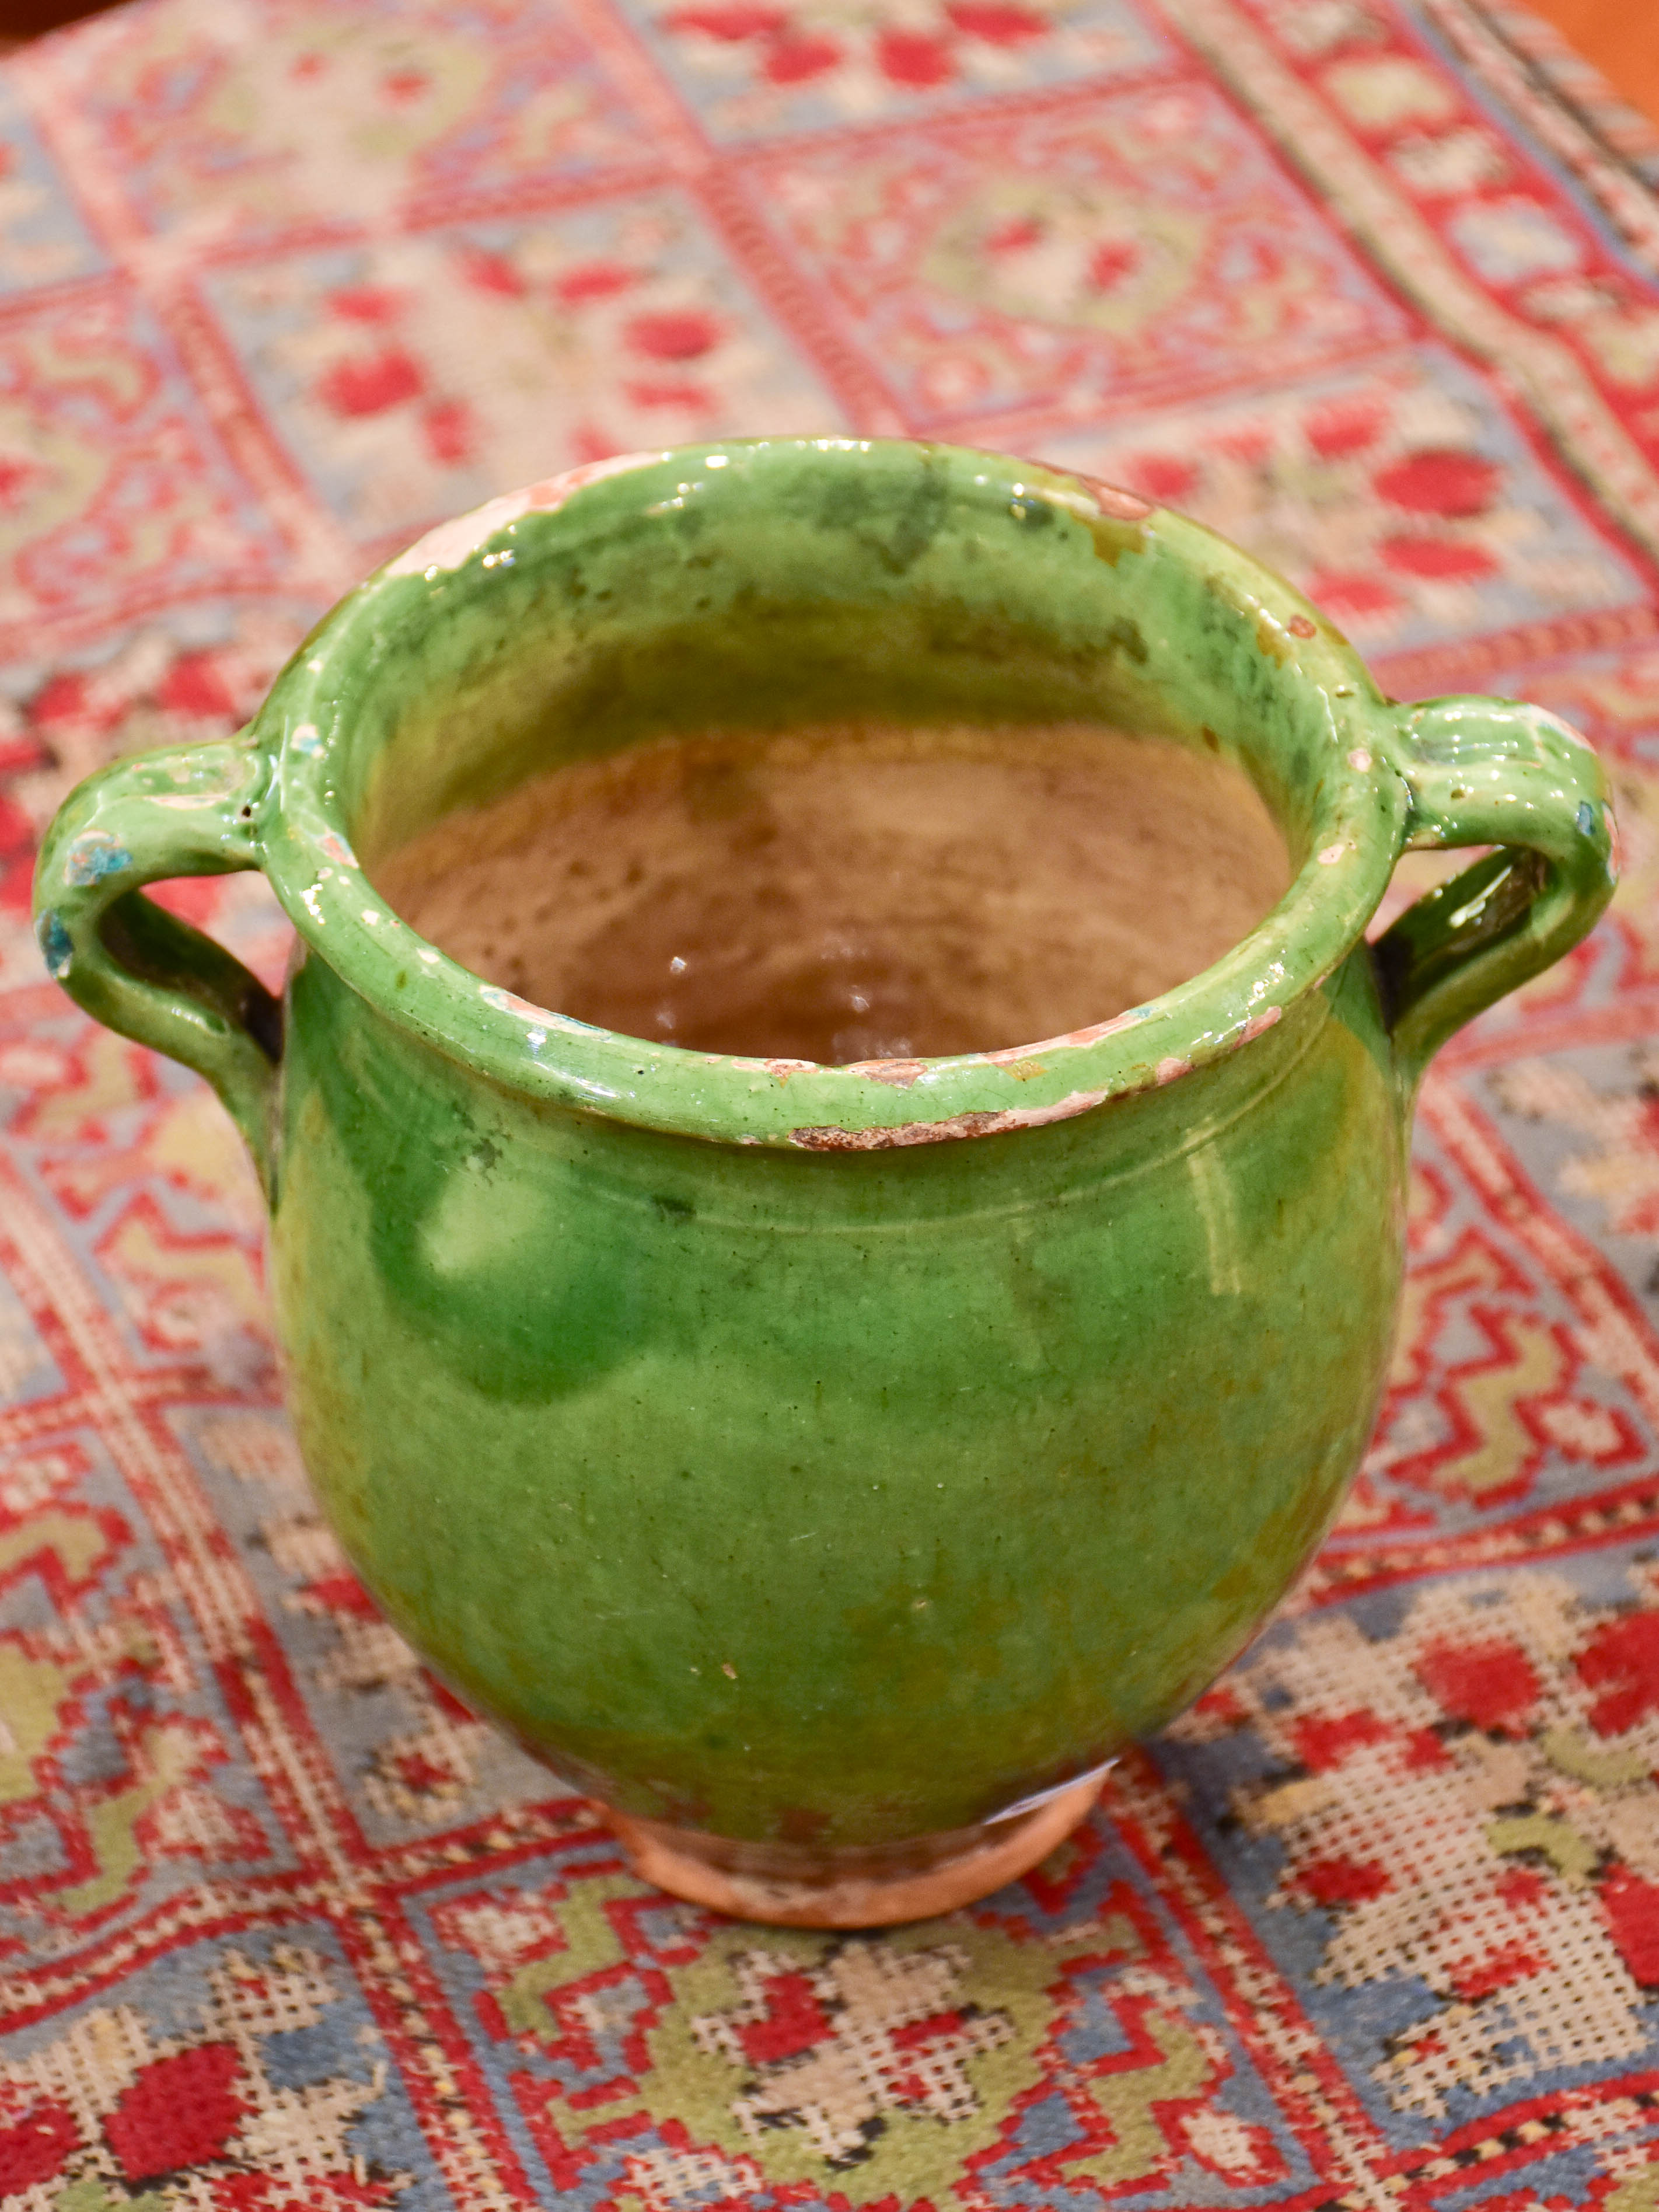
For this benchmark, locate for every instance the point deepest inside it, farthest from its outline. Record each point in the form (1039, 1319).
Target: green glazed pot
(828, 1469)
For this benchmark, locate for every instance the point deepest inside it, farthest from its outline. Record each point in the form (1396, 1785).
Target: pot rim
(1359, 816)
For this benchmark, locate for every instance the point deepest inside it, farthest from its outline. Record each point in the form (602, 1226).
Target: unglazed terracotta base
(793, 1886)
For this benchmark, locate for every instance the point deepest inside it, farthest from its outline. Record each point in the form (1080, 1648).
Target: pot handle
(185, 811)
(1492, 772)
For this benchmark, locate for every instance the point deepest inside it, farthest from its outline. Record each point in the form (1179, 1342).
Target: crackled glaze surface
(800, 1452)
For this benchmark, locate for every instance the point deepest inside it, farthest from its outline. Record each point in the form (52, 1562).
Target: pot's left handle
(185, 811)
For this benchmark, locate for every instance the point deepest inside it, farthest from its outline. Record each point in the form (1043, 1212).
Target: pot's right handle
(1492, 772)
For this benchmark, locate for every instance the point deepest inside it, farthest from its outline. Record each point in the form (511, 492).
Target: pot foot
(873, 1886)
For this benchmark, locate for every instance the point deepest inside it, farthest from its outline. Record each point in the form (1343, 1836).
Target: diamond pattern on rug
(757, 70)
(331, 118)
(1119, 245)
(117, 491)
(614, 327)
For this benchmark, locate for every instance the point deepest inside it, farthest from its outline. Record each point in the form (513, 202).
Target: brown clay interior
(853, 893)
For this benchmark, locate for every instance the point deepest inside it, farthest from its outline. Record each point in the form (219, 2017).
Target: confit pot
(827, 1469)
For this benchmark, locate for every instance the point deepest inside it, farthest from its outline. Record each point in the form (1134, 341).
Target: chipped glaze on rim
(1360, 818)
(451, 545)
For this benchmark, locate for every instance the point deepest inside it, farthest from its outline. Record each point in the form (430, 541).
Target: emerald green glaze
(795, 1451)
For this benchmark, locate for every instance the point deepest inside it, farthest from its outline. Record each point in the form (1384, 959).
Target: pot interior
(837, 754)
(850, 892)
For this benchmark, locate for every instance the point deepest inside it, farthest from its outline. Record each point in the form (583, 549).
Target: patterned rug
(1372, 285)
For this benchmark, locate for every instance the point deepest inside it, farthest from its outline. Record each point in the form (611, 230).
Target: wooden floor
(1621, 37)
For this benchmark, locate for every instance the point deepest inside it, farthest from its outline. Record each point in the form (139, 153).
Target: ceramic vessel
(828, 1469)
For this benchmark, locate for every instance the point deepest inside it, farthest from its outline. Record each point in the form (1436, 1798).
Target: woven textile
(1373, 286)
